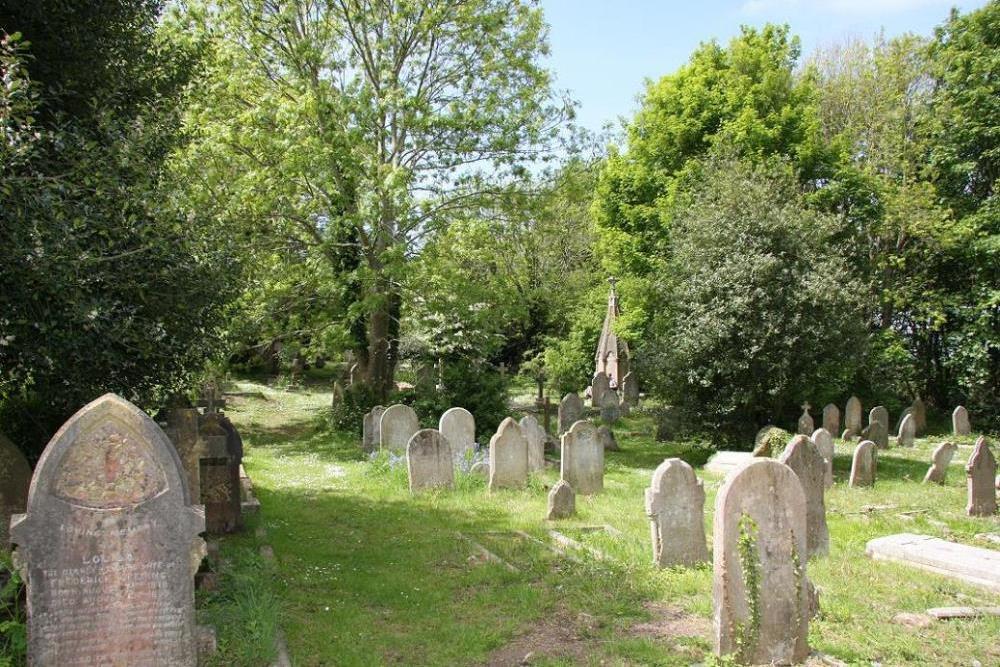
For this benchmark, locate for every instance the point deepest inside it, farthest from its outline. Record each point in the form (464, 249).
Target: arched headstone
(396, 427)
(562, 501)
(459, 427)
(675, 505)
(863, 464)
(429, 462)
(599, 386)
(370, 429)
(852, 417)
(831, 418)
(611, 410)
(878, 426)
(508, 457)
(907, 431)
(919, 412)
(824, 443)
(960, 421)
(981, 470)
(582, 459)
(804, 458)
(570, 412)
(535, 437)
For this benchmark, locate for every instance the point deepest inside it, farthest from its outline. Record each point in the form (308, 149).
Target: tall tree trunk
(383, 342)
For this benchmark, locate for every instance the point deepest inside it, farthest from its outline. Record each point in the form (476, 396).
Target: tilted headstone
(508, 457)
(919, 411)
(562, 501)
(907, 431)
(981, 470)
(610, 407)
(370, 434)
(804, 458)
(459, 427)
(109, 545)
(396, 427)
(831, 418)
(535, 437)
(940, 461)
(607, 438)
(760, 589)
(630, 389)
(960, 421)
(878, 427)
(599, 386)
(675, 505)
(582, 463)
(15, 477)
(806, 425)
(863, 464)
(852, 417)
(570, 412)
(429, 461)
(824, 443)
(902, 416)
(220, 480)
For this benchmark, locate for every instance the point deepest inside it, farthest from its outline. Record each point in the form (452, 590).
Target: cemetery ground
(364, 573)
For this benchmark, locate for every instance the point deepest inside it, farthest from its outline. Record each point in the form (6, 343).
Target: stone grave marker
(824, 443)
(582, 463)
(508, 457)
(919, 411)
(429, 461)
(535, 437)
(15, 478)
(599, 386)
(972, 565)
(109, 545)
(852, 417)
(806, 425)
(940, 461)
(570, 412)
(182, 426)
(562, 501)
(630, 390)
(607, 438)
(458, 426)
(907, 431)
(960, 421)
(220, 480)
(760, 588)
(863, 465)
(981, 470)
(831, 418)
(370, 435)
(878, 427)
(396, 427)
(675, 505)
(902, 416)
(610, 408)
(804, 458)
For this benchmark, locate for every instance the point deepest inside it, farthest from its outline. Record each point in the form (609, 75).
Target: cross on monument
(806, 406)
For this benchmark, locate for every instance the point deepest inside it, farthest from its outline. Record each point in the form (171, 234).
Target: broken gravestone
(804, 458)
(570, 412)
(370, 429)
(760, 589)
(852, 418)
(831, 418)
(535, 437)
(109, 545)
(960, 421)
(508, 457)
(824, 443)
(15, 478)
(863, 465)
(562, 501)
(396, 427)
(980, 470)
(940, 461)
(675, 505)
(582, 459)
(907, 431)
(429, 461)
(458, 426)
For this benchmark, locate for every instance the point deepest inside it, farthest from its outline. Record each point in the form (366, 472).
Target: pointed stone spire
(612, 357)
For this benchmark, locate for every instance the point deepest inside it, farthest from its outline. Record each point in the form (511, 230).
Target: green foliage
(475, 385)
(13, 628)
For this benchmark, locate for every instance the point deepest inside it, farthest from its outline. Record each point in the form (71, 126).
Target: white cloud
(840, 6)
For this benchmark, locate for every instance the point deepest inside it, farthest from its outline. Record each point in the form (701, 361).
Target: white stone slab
(973, 565)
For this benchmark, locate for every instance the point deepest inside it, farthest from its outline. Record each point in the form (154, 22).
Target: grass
(366, 574)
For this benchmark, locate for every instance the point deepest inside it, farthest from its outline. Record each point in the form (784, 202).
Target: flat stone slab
(722, 462)
(973, 565)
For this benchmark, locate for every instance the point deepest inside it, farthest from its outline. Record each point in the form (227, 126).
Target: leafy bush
(13, 631)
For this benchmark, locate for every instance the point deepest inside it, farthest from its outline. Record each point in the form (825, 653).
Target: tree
(354, 129)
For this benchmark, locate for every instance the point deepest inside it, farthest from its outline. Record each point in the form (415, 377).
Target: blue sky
(603, 50)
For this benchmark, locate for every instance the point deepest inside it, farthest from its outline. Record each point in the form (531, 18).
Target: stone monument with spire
(612, 357)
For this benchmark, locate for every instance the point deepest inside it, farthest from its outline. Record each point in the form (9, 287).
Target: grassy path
(365, 574)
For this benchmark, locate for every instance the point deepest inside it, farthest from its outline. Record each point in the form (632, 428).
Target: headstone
(919, 412)
(429, 461)
(824, 443)
(370, 429)
(863, 465)
(610, 408)
(940, 461)
(804, 458)
(562, 501)
(902, 416)
(981, 470)
(582, 463)
(182, 426)
(852, 417)
(972, 565)
(109, 545)
(907, 431)
(831, 418)
(878, 426)
(220, 480)
(630, 389)
(535, 437)
(960, 421)
(570, 412)
(396, 427)
(15, 477)
(760, 589)
(458, 426)
(607, 438)
(599, 386)
(806, 425)
(508, 457)
(675, 505)
(234, 447)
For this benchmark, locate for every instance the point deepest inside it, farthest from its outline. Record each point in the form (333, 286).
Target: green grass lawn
(365, 574)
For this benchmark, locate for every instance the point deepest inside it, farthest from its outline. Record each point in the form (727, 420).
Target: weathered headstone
(15, 477)
(852, 417)
(371, 429)
(760, 590)
(919, 411)
(804, 458)
(610, 408)
(220, 480)
(960, 421)
(863, 465)
(182, 427)
(806, 424)
(981, 470)
(582, 463)
(396, 427)
(109, 545)
(630, 389)
(940, 461)
(831, 418)
(458, 426)
(824, 443)
(599, 386)
(429, 461)
(675, 505)
(907, 431)
(607, 438)
(902, 416)
(570, 412)
(562, 501)
(234, 447)
(878, 426)
(535, 437)
(508, 457)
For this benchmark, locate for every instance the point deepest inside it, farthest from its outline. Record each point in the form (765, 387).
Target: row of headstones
(572, 409)
(607, 400)
(912, 422)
